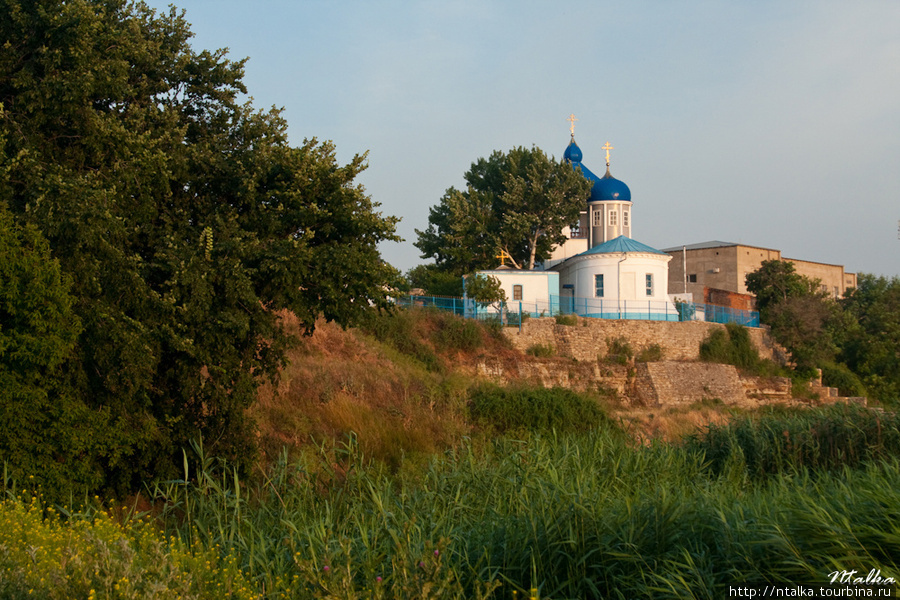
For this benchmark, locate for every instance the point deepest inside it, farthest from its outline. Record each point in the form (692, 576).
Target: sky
(773, 123)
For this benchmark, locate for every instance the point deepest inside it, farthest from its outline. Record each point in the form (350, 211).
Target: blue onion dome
(573, 152)
(610, 188)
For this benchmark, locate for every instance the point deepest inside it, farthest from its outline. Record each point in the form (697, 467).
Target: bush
(398, 329)
(541, 350)
(652, 353)
(840, 376)
(569, 320)
(619, 351)
(733, 346)
(457, 333)
(533, 409)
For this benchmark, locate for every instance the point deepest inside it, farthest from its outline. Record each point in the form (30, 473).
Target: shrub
(533, 409)
(840, 376)
(541, 350)
(569, 320)
(459, 334)
(619, 351)
(652, 353)
(733, 346)
(398, 329)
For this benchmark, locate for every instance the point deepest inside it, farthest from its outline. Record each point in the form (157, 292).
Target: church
(600, 271)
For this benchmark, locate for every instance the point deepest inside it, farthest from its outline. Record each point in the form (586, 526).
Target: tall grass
(832, 437)
(574, 516)
(586, 515)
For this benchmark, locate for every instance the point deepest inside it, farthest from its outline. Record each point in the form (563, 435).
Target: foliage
(517, 202)
(183, 217)
(45, 430)
(840, 376)
(576, 516)
(568, 320)
(541, 350)
(435, 281)
(619, 351)
(53, 554)
(833, 437)
(733, 346)
(533, 409)
(871, 345)
(798, 312)
(652, 353)
(399, 329)
(485, 290)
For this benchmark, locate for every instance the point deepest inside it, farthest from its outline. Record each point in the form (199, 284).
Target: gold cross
(503, 256)
(572, 120)
(607, 147)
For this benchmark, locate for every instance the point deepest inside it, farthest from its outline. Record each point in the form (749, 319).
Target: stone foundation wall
(588, 340)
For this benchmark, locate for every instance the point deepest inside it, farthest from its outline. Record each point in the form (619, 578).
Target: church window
(624, 218)
(649, 284)
(613, 218)
(598, 286)
(517, 292)
(598, 218)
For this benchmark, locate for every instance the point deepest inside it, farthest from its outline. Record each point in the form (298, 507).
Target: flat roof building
(725, 266)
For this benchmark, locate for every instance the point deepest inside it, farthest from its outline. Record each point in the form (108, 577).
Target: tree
(485, 290)
(517, 203)
(183, 217)
(435, 281)
(871, 346)
(798, 312)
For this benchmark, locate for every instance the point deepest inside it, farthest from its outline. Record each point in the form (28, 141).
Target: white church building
(600, 271)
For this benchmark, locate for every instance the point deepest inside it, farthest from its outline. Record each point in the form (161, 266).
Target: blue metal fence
(598, 308)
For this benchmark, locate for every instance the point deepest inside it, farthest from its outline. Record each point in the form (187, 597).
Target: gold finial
(607, 147)
(571, 121)
(503, 256)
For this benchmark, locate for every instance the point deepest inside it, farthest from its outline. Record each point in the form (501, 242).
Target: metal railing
(513, 312)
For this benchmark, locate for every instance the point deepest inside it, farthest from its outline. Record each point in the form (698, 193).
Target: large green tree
(801, 316)
(871, 347)
(516, 202)
(183, 217)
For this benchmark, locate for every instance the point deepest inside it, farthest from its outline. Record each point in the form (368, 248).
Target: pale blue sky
(770, 123)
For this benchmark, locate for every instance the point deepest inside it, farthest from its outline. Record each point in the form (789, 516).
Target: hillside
(401, 383)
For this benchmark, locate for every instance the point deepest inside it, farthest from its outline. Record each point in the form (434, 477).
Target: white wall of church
(630, 276)
(536, 286)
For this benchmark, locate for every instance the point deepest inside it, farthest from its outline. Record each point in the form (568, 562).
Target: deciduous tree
(183, 217)
(517, 202)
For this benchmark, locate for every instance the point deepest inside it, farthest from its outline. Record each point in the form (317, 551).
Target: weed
(541, 350)
(569, 320)
(619, 351)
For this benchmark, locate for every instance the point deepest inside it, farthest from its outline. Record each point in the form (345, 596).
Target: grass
(567, 515)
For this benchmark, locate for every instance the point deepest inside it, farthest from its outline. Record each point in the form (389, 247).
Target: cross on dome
(607, 147)
(571, 119)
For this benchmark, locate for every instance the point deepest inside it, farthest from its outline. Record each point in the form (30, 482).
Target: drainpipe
(684, 266)
(619, 284)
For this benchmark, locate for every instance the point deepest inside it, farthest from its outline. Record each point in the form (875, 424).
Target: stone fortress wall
(678, 379)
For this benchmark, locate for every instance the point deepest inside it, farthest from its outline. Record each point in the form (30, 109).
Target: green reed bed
(582, 515)
(574, 516)
(831, 437)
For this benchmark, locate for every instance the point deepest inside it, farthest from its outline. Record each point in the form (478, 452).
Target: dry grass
(670, 424)
(339, 382)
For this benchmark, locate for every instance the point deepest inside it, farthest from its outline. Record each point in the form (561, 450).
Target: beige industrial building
(725, 266)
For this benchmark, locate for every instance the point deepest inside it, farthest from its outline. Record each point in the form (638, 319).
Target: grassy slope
(400, 385)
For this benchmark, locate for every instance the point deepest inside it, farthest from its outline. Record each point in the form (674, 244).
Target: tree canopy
(516, 202)
(182, 216)
(800, 314)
